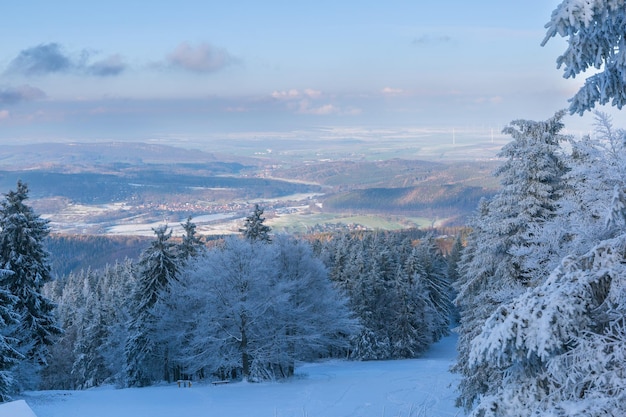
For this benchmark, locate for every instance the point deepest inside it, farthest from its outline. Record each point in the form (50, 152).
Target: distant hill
(85, 156)
(402, 187)
(143, 185)
(451, 201)
(71, 253)
(118, 187)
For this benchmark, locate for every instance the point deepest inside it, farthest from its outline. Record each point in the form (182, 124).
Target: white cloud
(312, 93)
(286, 94)
(389, 91)
(307, 101)
(296, 94)
(325, 109)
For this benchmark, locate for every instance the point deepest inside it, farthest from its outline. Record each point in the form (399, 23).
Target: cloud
(13, 95)
(50, 58)
(431, 40)
(4, 114)
(111, 66)
(203, 58)
(307, 102)
(295, 94)
(41, 59)
(286, 94)
(389, 91)
(309, 92)
(306, 108)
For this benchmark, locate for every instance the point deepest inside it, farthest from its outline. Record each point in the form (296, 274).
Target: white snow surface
(400, 388)
(16, 409)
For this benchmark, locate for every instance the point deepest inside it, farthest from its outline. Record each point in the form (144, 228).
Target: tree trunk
(245, 358)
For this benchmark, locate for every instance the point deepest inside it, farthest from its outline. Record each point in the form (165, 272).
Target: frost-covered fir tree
(158, 268)
(22, 235)
(506, 251)
(414, 315)
(115, 291)
(9, 356)
(254, 227)
(595, 31)
(597, 176)
(399, 293)
(94, 314)
(432, 269)
(191, 245)
(560, 348)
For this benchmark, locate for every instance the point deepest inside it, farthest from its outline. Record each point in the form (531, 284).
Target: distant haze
(197, 71)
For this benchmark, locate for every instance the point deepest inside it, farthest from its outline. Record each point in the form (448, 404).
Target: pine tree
(158, 267)
(22, 235)
(254, 227)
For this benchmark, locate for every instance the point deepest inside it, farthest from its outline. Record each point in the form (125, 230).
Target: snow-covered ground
(403, 388)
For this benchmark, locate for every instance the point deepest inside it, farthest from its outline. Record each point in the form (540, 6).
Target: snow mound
(16, 409)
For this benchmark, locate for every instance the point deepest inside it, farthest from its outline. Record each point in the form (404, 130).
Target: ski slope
(402, 388)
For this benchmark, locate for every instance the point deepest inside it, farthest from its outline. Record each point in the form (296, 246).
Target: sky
(128, 70)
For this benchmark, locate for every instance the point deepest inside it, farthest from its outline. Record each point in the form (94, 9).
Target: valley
(130, 188)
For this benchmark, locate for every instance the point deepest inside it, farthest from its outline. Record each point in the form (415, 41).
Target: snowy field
(403, 388)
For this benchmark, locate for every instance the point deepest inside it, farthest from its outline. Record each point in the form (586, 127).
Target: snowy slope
(16, 409)
(403, 388)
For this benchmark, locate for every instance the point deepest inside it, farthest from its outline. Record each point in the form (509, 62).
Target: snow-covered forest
(537, 288)
(247, 308)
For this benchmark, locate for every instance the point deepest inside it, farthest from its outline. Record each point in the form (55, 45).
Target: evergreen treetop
(254, 228)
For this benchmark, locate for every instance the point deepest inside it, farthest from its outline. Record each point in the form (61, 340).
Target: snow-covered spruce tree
(191, 245)
(115, 288)
(71, 302)
(399, 293)
(9, 356)
(255, 228)
(157, 269)
(372, 297)
(432, 269)
(506, 252)
(597, 175)
(414, 315)
(93, 310)
(22, 235)
(595, 31)
(560, 347)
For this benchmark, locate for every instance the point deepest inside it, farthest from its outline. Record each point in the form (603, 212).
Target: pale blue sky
(83, 70)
